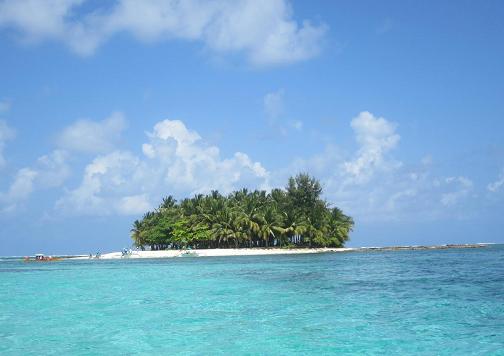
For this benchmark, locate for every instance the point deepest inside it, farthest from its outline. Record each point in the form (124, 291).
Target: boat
(40, 257)
(189, 254)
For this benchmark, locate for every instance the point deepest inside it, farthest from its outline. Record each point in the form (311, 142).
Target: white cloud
(175, 161)
(376, 137)
(37, 18)
(367, 183)
(50, 171)
(264, 31)
(176, 130)
(57, 20)
(463, 188)
(134, 205)
(148, 150)
(497, 185)
(20, 189)
(190, 165)
(371, 185)
(107, 179)
(6, 134)
(91, 136)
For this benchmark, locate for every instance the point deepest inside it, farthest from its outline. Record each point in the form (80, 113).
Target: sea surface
(443, 302)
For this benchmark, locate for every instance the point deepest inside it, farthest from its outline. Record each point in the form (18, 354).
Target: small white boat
(188, 254)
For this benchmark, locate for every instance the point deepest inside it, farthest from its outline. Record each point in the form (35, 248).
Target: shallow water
(446, 302)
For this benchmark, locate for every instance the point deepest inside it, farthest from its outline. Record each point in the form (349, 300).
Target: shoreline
(269, 251)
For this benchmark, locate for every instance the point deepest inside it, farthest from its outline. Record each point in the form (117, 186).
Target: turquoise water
(446, 302)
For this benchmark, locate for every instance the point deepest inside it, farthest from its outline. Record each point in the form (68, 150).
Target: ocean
(439, 302)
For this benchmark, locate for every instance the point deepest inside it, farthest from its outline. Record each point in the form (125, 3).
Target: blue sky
(396, 106)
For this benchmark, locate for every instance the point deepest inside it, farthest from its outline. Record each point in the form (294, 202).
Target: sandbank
(222, 252)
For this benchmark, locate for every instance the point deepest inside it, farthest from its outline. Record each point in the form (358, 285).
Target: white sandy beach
(221, 252)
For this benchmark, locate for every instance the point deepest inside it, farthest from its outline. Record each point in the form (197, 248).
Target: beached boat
(189, 254)
(40, 257)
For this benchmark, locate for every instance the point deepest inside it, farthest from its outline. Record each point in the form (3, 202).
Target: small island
(294, 217)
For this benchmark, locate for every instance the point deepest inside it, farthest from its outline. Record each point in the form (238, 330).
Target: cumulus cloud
(134, 205)
(264, 31)
(175, 161)
(19, 190)
(497, 185)
(52, 169)
(371, 185)
(49, 171)
(91, 136)
(368, 181)
(6, 134)
(107, 179)
(376, 137)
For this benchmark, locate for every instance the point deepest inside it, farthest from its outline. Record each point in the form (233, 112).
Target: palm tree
(297, 215)
(227, 227)
(342, 225)
(249, 207)
(270, 223)
(136, 234)
(292, 228)
(168, 202)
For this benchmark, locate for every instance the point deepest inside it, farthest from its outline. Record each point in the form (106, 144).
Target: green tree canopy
(294, 216)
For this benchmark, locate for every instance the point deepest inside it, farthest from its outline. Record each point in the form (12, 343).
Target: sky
(397, 107)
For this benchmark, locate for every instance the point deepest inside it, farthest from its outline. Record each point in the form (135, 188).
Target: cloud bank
(263, 30)
(49, 171)
(496, 186)
(372, 185)
(376, 137)
(175, 161)
(369, 182)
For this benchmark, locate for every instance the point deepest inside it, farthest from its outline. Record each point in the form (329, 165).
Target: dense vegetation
(296, 216)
